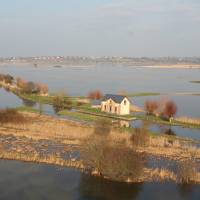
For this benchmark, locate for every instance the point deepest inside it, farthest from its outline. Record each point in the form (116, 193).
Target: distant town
(59, 61)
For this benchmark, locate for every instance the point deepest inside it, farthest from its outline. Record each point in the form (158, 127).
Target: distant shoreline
(177, 66)
(62, 65)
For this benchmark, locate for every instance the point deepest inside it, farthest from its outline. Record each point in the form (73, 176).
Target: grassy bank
(27, 109)
(79, 116)
(143, 94)
(194, 81)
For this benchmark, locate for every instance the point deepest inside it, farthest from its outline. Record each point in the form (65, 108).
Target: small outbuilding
(115, 104)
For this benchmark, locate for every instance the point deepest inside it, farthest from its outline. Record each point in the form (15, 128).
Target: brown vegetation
(95, 95)
(42, 88)
(102, 127)
(11, 116)
(108, 158)
(188, 120)
(151, 106)
(61, 102)
(166, 109)
(187, 171)
(111, 154)
(170, 109)
(8, 79)
(139, 137)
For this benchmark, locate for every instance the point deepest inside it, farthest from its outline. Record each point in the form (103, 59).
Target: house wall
(125, 107)
(110, 106)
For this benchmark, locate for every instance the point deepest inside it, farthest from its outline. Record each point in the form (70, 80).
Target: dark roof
(115, 98)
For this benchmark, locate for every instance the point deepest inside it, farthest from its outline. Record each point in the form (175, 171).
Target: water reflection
(169, 131)
(97, 188)
(28, 103)
(185, 190)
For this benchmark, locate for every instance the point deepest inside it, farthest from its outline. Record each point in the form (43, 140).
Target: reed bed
(188, 120)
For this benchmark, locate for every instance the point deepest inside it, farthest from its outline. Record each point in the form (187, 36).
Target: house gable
(115, 104)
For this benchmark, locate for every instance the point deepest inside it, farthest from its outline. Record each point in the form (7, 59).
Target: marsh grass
(188, 120)
(11, 116)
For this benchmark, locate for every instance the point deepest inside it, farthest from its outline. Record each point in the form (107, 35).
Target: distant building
(115, 104)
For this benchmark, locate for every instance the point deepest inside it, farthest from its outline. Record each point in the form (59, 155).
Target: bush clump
(61, 102)
(11, 116)
(102, 127)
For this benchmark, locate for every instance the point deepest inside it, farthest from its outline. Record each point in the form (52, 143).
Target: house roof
(115, 98)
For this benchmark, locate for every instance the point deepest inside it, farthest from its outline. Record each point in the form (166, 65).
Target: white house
(115, 104)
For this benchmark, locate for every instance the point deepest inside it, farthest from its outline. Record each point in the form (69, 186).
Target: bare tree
(95, 95)
(151, 106)
(170, 109)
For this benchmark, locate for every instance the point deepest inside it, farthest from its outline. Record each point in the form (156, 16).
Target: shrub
(30, 88)
(11, 116)
(1, 77)
(20, 83)
(80, 103)
(8, 79)
(58, 103)
(116, 162)
(139, 137)
(102, 127)
(61, 102)
(42, 88)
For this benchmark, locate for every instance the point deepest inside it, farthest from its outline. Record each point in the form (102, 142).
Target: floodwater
(27, 181)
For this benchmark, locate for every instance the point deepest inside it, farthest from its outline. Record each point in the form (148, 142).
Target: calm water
(28, 181)
(110, 79)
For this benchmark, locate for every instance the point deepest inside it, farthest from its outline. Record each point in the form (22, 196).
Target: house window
(110, 108)
(124, 102)
(115, 109)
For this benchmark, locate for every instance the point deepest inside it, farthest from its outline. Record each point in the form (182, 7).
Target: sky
(136, 28)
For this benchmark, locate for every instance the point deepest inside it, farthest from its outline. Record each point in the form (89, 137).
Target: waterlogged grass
(27, 109)
(49, 100)
(143, 94)
(195, 82)
(37, 98)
